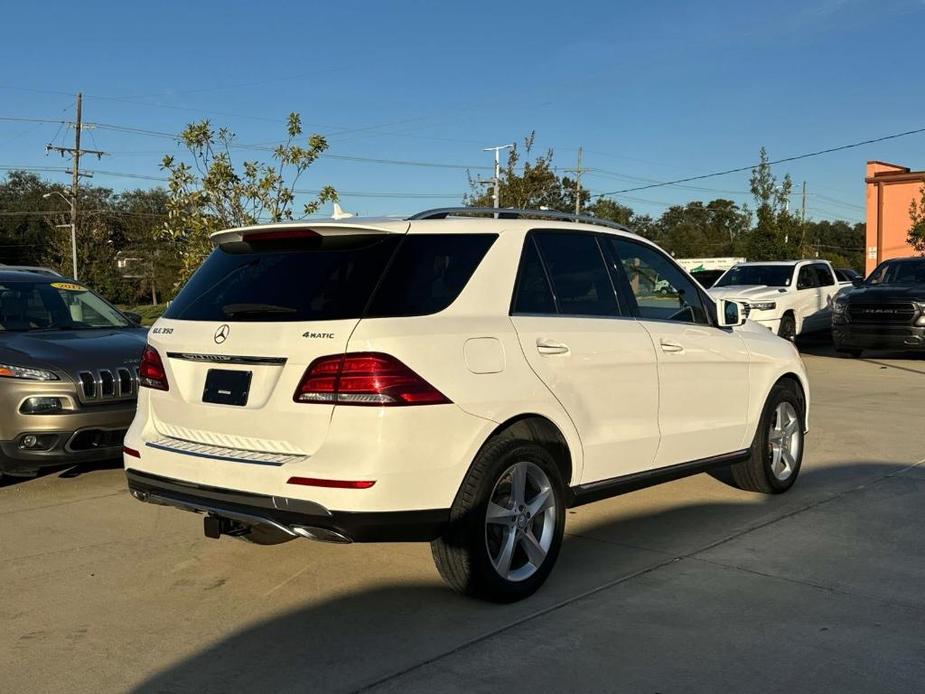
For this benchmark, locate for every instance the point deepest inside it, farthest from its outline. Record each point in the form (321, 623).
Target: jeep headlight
(27, 373)
(763, 305)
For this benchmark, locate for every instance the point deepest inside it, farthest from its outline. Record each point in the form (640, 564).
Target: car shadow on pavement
(64, 471)
(820, 344)
(363, 637)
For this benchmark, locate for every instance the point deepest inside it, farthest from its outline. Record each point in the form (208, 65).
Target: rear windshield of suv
(331, 278)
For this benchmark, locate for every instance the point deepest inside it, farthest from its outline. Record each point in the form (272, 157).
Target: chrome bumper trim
(231, 455)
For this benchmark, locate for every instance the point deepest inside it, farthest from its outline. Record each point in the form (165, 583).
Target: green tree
(916, 235)
(839, 242)
(777, 232)
(702, 229)
(211, 194)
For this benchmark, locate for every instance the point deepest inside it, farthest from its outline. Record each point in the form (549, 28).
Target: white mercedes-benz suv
(452, 379)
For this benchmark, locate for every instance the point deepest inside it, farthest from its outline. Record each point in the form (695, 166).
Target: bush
(148, 313)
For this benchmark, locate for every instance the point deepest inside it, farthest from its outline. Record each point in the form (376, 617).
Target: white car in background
(788, 297)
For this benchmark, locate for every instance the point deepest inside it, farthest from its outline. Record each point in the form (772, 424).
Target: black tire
(755, 474)
(788, 327)
(262, 535)
(462, 553)
(854, 353)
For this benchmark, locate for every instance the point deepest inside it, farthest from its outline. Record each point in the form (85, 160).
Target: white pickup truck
(788, 297)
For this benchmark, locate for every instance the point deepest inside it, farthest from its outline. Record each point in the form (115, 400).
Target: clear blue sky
(651, 90)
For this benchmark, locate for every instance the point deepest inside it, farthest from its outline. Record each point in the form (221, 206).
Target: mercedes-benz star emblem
(221, 334)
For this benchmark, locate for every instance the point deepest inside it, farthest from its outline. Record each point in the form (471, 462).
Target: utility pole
(496, 179)
(75, 153)
(577, 171)
(803, 219)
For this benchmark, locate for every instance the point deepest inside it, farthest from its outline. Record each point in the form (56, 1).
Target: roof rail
(514, 213)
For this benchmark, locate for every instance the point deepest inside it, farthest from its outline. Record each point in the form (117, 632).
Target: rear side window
(824, 275)
(427, 273)
(580, 281)
(534, 296)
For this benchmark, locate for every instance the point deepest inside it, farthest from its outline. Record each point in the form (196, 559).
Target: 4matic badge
(318, 336)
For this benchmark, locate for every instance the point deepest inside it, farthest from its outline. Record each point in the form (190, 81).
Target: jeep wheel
(777, 449)
(788, 327)
(506, 523)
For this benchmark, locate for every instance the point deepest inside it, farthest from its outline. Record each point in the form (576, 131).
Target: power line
(740, 169)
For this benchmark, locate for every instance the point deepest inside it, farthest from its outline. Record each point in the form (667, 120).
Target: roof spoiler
(307, 229)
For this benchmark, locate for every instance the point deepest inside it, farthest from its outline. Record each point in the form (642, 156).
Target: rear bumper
(898, 337)
(294, 516)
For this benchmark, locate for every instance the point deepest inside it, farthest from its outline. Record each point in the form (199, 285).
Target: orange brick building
(890, 190)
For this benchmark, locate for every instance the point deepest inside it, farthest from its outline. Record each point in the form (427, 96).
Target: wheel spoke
(535, 553)
(541, 502)
(787, 459)
(499, 515)
(792, 427)
(502, 562)
(519, 484)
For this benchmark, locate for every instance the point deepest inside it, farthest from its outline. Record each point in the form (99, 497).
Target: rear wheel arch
(541, 430)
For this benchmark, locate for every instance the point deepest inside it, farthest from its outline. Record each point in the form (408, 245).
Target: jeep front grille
(104, 385)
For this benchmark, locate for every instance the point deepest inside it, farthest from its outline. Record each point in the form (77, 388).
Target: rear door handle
(544, 346)
(671, 346)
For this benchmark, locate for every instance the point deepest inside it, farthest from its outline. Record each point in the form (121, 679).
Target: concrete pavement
(691, 586)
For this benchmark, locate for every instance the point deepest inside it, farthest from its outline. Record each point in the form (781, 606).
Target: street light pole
(496, 195)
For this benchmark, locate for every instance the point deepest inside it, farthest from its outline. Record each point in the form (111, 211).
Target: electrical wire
(784, 160)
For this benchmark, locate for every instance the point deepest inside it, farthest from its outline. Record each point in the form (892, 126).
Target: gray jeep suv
(68, 373)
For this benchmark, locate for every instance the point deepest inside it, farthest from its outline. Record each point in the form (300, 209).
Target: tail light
(365, 378)
(151, 372)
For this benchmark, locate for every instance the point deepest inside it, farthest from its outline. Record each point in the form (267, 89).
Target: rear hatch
(238, 338)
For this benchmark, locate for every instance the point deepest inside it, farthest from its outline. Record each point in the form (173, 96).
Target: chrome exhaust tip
(321, 534)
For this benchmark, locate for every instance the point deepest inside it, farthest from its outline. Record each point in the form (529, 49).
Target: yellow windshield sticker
(68, 287)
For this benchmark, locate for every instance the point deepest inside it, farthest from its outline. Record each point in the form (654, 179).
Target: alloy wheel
(520, 522)
(784, 441)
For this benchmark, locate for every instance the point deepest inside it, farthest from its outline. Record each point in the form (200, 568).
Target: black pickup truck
(885, 311)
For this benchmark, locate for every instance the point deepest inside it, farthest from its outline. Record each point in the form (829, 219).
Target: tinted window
(579, 277)
(49, 305)
(533, 292)
(823, 275)
(661, 289)
(807, 278)
(324, 278)
(755, 275)
(428, 273)
(899, 272)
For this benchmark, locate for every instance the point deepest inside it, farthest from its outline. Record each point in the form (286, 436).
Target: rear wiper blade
(254, 309)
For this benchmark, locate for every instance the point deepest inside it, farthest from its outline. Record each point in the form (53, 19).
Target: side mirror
(135, 318)
(731, 313)
(857, 281)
